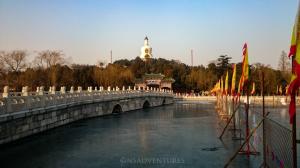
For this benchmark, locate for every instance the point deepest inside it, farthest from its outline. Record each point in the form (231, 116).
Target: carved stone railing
(12, 102)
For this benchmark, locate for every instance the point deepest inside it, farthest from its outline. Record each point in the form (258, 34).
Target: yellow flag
(245, 65)
(295, 78)
(222, 87)
(226, 84)
(233, 80)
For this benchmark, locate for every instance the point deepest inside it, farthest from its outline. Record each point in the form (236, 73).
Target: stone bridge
(27, 113)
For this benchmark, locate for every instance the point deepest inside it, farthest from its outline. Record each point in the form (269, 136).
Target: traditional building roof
(152, 79)
(153, 76)
(168, 80)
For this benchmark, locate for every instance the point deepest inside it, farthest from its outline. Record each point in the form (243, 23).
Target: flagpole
(247, 118)
(234, 129)
(293, 96)
(294, 128)
(264, 115)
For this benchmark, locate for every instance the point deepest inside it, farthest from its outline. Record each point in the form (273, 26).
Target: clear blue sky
(87, 30)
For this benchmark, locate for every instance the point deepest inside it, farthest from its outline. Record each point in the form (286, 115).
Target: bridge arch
(117, 109)
(146, 104)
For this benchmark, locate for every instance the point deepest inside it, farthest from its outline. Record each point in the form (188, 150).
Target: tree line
(52, 68)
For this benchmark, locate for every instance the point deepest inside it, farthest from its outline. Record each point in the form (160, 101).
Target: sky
(86, 30)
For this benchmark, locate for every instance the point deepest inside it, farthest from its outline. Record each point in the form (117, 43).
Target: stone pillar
(129, 88)
(41, 90)
(90, 89)
(53, 90)
(114, 89)
(134, 88)
(37, 90)
(25, 91)
(63, 90)
(96, 88)
(123, 88)
(72, 89)
(147, 87)
(5, 91)
(108, 88)
(79, 89)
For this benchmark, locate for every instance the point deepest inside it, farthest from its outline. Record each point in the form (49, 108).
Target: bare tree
(48, 58)
(39, 61)
(51, 61)
(284, 64)
(1, 63)
(14, 61)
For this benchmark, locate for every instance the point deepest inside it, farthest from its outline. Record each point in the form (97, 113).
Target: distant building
(146, 50)
(155, 81)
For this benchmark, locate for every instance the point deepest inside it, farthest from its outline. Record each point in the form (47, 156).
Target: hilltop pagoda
(146, 50)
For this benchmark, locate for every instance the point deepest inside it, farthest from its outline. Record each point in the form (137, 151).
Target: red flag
(295, 79)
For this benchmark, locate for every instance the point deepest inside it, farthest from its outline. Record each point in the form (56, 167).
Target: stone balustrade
(12, 102)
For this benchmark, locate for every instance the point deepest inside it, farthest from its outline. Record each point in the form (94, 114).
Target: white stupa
(146, 50)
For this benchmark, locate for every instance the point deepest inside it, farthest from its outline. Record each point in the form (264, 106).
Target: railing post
(72, 89)
(40, 90)
(25, 91)
(53, 90)
(62, 90)
(42, 98)
(79, 90)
